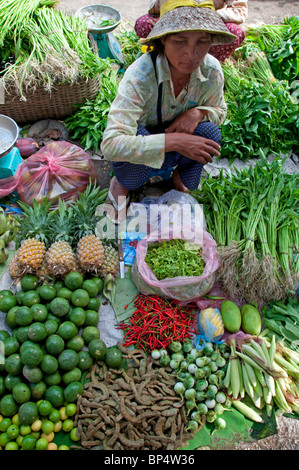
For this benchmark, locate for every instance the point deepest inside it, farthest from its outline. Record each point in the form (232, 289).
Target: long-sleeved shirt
(136, 104)
(234, 11)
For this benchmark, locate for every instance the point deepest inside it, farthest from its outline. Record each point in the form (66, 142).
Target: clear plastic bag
(58, 170)
(182, 288)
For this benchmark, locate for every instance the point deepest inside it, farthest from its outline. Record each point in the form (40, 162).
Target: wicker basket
(57, 104)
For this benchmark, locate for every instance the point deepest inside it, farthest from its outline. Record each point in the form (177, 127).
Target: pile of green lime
(54, 339)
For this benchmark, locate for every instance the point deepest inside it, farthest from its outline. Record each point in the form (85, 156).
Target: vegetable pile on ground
(44, 361)
(253, 216)
(44, 46)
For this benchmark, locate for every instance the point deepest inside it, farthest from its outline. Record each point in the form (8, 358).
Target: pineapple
(34, 222)
(43, 272)
(90, 252)
(31, 254)
(61, 258)
(15, 270)
(110, 264)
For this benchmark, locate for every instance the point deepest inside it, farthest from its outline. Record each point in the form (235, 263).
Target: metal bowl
(9, 132)
(97, 13)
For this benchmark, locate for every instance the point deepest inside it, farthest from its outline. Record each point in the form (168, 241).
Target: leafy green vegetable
(282, 318)
(88, 123)
(172, 258)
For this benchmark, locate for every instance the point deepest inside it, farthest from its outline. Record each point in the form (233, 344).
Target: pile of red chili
(157, 322)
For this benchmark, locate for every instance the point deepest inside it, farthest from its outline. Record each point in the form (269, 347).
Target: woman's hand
(187, 121)
(194, 147)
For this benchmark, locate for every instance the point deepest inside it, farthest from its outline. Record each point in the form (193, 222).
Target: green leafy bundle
(253, 216)
(282, 319)
(88, 123)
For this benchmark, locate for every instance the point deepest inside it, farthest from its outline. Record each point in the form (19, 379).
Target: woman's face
(185, 51)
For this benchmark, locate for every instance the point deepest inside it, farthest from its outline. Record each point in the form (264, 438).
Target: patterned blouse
(136, 104)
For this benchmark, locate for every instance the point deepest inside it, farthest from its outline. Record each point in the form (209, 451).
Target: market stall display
(192, 360)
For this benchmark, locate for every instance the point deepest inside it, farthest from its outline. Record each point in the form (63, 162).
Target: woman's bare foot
(117, 199)
(179, 186)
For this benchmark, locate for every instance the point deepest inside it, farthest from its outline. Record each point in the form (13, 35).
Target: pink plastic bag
(60, 169)
(183, 288)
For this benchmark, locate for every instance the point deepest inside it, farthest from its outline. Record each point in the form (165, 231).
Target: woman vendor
(233, 12)
(169, 104)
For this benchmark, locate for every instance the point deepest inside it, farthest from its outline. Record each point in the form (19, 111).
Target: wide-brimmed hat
(177, 16)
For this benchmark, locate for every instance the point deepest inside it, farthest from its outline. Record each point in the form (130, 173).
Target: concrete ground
(264, 11)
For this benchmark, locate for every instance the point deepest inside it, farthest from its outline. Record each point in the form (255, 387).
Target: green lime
(41, 444)
(89, 333)
(3, 335)
(54, 344)
(12, 445)
(49, 364)
(78, 316)
(19, 297)
(53, 379)
(32, 374)
(51, 326)
(72, 391)
(73, 280)
(13, 431)
(73, 375)
(40, 312)
(13, 364)
(4, 424)
(74, 435)
(54, 416)
(25, 429)
(48, 426)
(21, 393)
(10, 381)
(28, 412)
(31, 297)
(45, 407)
(5, 292)
(38, 389)
(28, 343)
(71, 409)
(24, 316)
(91, 287)
(68, 359)
(67, 330)
(55, 395)
(65, 293)
(4, 440)
(85, 360)
(7, 302)
(58, 284)
(37, 332)
(76, 343)
(29, 282)
(28, 442)
(99, 282)
(67, 425)
(10, 317)
(11, 345)
(93, 304)
(22, 333)
(80, 298)
(92, 318)
(31, 355)
(8, 405)
(113, 357)
(97, 349)
(47, 292)
(59, 307)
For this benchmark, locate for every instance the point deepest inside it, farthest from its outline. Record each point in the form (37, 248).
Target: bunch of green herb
(253, 216)
(48, 46)
(282, 319)
(88, 123)
(129, 43)
(172, 258)
(262, 116)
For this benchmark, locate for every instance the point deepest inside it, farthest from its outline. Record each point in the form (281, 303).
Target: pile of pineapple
(53, 243)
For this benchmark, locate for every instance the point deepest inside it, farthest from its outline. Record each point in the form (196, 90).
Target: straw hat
(177, 16)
